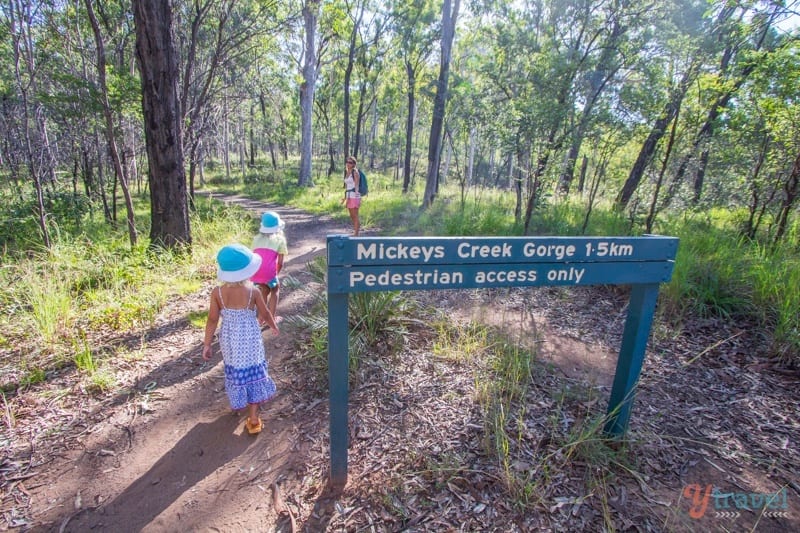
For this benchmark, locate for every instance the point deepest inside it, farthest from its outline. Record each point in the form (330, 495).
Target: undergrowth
(66, 303)
(378, 321)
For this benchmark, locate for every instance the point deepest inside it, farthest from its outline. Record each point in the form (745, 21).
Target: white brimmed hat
(271, 222)
(236, 263)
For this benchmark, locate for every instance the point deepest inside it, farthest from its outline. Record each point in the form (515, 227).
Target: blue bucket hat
(271, 222)
(236, 263)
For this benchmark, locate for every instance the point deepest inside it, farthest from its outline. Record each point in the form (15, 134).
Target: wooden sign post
(367, 264)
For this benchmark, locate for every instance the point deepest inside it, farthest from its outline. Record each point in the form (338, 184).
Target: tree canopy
(668, 104)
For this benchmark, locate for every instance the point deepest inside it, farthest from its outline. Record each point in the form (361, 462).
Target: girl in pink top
(270, 244)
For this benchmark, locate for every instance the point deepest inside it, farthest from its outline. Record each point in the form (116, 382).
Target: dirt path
(170, 456)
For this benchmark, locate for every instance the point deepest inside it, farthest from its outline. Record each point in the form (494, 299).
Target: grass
(514, 395)
(94, 285)
(376, 319)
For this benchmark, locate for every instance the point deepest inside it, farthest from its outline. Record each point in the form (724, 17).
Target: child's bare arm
(211, 324)
(264, 316)
(279, 265)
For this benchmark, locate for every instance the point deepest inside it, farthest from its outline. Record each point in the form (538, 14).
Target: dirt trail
(172, 456)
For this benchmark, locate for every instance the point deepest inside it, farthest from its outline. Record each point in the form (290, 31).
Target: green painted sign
(368, 264)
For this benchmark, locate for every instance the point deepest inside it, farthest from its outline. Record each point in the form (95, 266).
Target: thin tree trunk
(473, 136)
(348, 74)
(310, 15)
(791, 191)
(19, 16)
(651, 215)
(109, 118)
(656, 133)
(412, 82)
(440, 100)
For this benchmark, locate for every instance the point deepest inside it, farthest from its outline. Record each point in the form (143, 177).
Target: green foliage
(32, 376)
(91, 277)
(100, 381)
(51, 308)
(19, 225)
(717, 273)
(198, 318)
(463, 344)
(375, 318)
(84, 360)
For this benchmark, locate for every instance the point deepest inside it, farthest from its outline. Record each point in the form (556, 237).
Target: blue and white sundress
(246, 372)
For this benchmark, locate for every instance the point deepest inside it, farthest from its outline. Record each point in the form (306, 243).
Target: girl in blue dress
(242, 309)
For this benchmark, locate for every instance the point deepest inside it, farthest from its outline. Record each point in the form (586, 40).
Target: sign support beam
(641, 309)
(338, 378)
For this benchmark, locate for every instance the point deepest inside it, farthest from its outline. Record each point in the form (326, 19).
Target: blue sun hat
(271, 222)
(236, 263)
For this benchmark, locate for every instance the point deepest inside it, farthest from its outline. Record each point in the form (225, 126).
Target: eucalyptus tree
(546, 59)
(614, 34)
(220, 41)
(327, 104)
(11, 156)
(22, 20)
(158, 60)
(272, 91)
(764, 119)
(355, 12)
(685, 40)
(370, 63)
(742, 38)
(448, 31)
(413, 26)
(110, 126)
(311, 12)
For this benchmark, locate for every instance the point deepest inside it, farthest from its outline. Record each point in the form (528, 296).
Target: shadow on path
(203, 450)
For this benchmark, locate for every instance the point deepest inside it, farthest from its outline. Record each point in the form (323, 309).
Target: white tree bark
(310, 16)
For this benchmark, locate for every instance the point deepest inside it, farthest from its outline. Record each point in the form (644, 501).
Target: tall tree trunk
(749, 229)
(412, 83)
(707, 130)
(651, 215)
(109, 118)
(252, 136)
(226, 137)
(360, 114)
(473, 140)
(157, 57)
(270, 130)
(607, 68)
(440, 100)
(656, 133)
(348, 74)
(310, 15)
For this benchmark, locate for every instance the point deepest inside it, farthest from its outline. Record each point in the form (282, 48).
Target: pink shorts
(353, 203)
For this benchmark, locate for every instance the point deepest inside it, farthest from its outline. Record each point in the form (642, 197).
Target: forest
(653, 107)
(649, 111)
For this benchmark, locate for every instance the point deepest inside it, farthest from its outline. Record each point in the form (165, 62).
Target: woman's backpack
(363, 188)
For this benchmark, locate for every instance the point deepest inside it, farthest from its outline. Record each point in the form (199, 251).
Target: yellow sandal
(253, 428)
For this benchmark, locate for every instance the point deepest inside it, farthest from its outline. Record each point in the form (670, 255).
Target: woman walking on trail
(352, 198)
(270, 244)
(241, 307)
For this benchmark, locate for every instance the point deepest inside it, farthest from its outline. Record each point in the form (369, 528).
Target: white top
(350, 186)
